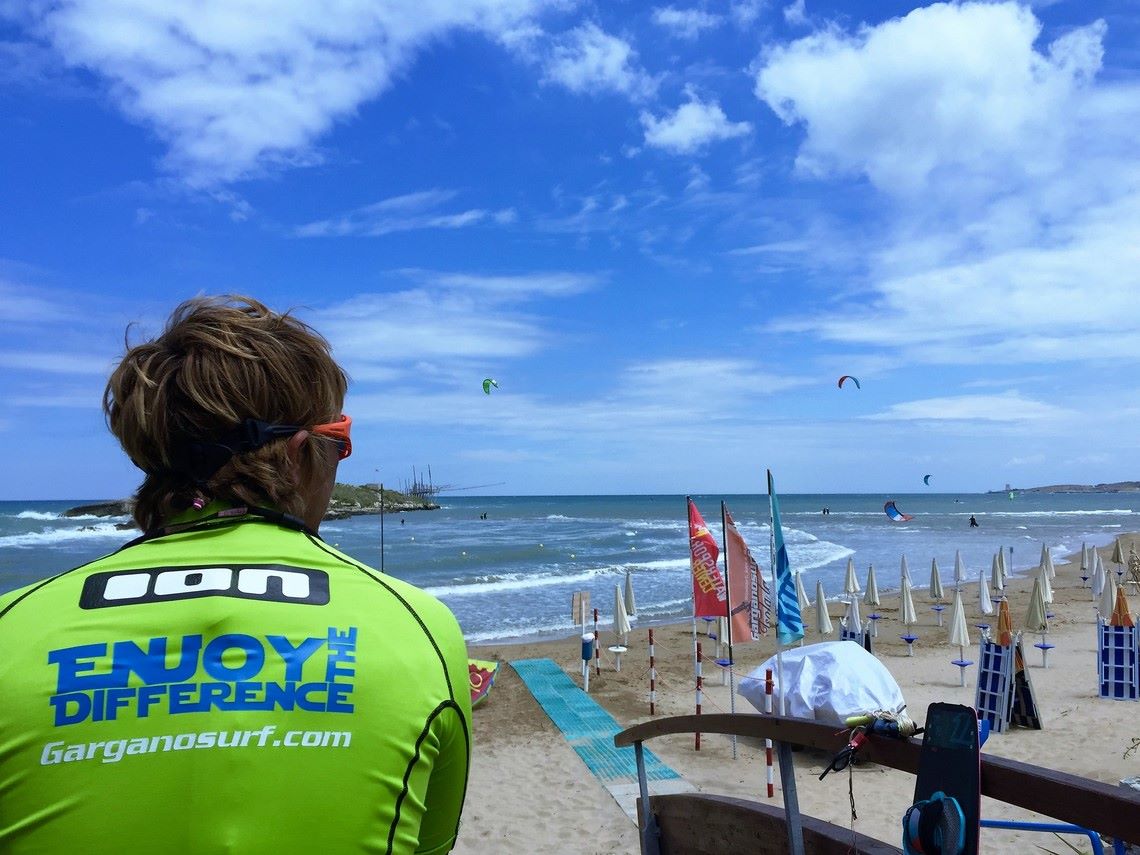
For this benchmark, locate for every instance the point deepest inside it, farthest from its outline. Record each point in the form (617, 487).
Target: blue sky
(666, 230)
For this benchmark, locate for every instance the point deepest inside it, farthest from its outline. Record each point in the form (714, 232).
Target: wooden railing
(1110, 810)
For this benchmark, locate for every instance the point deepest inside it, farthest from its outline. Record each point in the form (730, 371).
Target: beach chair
(1118, 658)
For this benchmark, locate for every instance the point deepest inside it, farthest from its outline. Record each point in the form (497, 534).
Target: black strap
(226, 516)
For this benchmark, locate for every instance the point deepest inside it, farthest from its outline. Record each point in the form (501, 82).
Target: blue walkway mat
(587, 727)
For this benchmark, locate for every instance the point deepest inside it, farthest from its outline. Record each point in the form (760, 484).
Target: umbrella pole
(962, 668)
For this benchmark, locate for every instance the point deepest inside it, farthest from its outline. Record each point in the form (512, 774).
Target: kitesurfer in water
(973, 521)
(329, 707)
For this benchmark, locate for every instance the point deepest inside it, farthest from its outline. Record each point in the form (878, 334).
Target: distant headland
(1116, 487)
(348, 500)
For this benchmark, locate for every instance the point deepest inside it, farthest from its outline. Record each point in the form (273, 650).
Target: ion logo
(274, 582)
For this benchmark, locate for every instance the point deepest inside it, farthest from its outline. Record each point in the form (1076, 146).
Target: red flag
(708, 582)
(751, 603)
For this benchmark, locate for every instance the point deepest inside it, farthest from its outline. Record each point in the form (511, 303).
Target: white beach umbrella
(1035, 620)
(959, 634)
(621, 619)
(1002, 565)
(1046, 585)
(822, 618)
(630, 607)
(936, 592)
(801, 594)
(871, 598)
(985, 604)
(1084, 559)
(909, 615)
(904, 571)
(959, 568)
(1106, 602)
(722, 633)
(1047, 562)
(851, 618)
(1098, 575)
(851, 584)
(996, 580)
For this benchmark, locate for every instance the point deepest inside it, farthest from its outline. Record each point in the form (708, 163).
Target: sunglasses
(338, 431)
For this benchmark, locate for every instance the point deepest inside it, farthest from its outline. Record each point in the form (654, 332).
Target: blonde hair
(219, 361)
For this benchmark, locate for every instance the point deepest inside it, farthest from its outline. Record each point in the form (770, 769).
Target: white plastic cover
(827, 682)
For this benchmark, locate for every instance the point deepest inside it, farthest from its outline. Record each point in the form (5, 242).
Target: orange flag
(750, 605)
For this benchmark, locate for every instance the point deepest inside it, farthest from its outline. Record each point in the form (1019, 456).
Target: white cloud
(692, 126)
(409, 212)
(795, 14)
(1015, 191)
(965, 90)
(685, 23)
(588, 60)
(1010, 407)
(234, 88)
(447, 319)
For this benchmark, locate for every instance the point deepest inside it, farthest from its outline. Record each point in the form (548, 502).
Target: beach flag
(789, 621)
(749, 601)
(709, 596)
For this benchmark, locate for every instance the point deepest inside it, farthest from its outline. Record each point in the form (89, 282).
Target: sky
(665, 231)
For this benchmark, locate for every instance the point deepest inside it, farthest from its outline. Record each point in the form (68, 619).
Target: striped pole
(700, 684)
(597, 646)
(652, 678)
(768, 742)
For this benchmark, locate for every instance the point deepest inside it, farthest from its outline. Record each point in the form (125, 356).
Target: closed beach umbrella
(1047, 562)
(1107, 600)
(722, 630)
(621, 619)
(906, 603)
(1035, 620)
(801, 594)
(851, 584)
(936, 592)
(851, 618)
(1121, 614)
(1002, 568)
(1084, 559)
(996, 581)
(985, 604)
(1046, 585)
(959, 634)
(871, 598)
(1004, 624)
(959, 568)
(822, 618)
(904, 571)
(1117, 553)
(630, 607)
(1098, 575)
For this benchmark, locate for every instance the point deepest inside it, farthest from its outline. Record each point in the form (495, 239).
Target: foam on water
(60, 536)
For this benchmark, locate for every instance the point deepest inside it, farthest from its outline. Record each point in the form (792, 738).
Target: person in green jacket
(228, 682)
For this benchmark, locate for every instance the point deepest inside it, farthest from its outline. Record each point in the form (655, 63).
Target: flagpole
(776, 599)
(689, 540)
(728, 613)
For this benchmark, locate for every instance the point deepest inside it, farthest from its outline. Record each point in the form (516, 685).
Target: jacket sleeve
(447, 785)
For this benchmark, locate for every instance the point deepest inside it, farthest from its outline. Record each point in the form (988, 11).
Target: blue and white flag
(789, 622)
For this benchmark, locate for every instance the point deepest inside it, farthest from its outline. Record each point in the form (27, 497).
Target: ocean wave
(513, 582)
(52, 537)
(36, 515)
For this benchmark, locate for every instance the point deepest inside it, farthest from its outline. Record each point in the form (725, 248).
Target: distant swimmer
(973, 522)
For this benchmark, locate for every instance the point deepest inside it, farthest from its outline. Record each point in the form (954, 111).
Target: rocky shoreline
(348, 500)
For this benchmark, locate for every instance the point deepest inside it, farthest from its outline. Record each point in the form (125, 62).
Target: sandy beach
(529, 792)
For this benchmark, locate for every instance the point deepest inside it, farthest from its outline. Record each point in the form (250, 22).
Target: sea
(509, 566)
